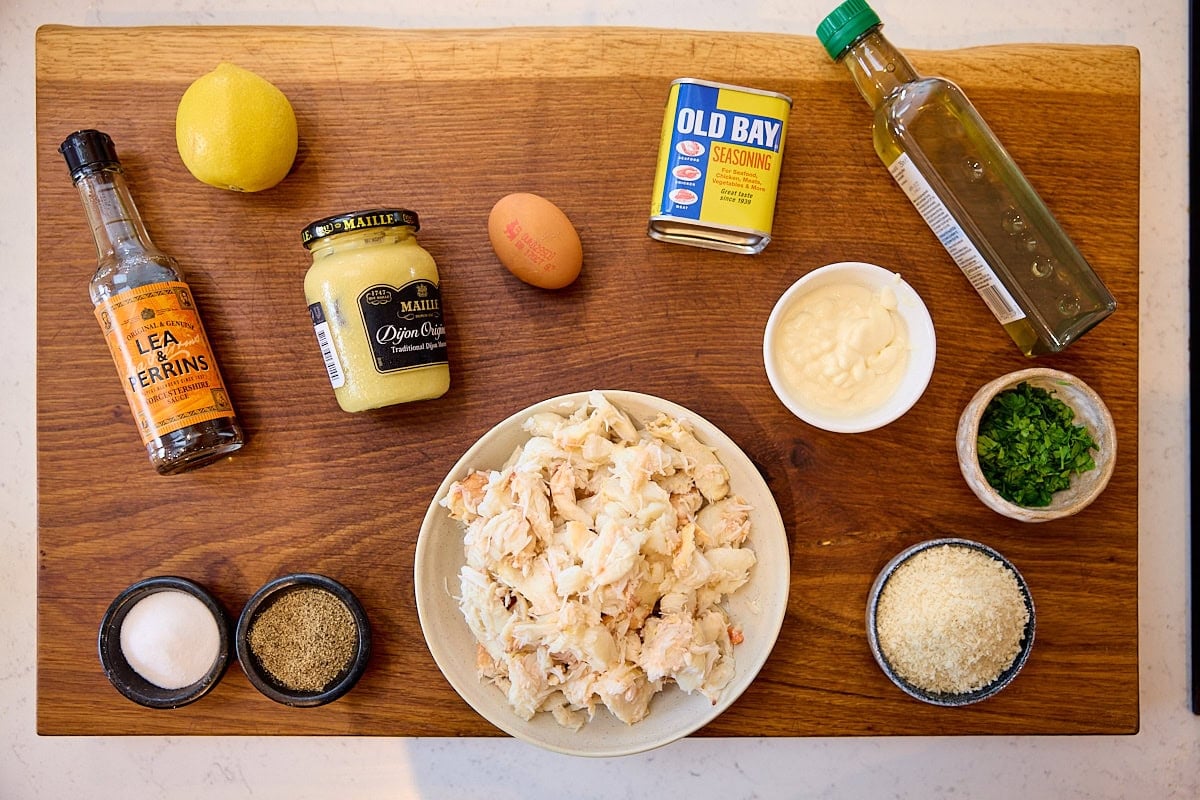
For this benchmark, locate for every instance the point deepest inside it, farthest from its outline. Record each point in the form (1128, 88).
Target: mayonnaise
(843, 348)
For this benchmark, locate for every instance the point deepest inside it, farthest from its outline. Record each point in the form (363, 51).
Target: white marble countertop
(1162, 761)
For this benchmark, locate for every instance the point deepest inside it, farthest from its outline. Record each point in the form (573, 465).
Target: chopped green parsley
(1029, 445)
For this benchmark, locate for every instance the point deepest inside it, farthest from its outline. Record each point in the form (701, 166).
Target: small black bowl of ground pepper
(303, 640)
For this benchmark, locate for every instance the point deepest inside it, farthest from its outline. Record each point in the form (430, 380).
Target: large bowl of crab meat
(602, 573)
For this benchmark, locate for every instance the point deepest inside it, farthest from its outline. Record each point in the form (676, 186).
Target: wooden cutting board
(445, 123)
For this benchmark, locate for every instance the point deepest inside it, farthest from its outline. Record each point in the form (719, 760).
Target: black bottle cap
(88, 150)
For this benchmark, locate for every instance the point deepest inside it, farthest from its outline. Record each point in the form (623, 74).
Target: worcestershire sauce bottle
(150, 321)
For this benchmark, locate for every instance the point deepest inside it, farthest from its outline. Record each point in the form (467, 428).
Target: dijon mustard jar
(374, 296)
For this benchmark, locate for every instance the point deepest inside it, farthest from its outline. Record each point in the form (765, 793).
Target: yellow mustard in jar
(374, 296)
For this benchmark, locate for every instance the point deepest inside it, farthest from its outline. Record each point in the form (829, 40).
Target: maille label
(359, 220)
(159, 347)
(404, 325)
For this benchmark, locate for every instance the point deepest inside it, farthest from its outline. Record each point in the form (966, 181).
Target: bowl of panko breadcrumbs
(950, 621)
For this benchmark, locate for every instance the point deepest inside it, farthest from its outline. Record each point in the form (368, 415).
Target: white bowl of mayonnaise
(849, 347)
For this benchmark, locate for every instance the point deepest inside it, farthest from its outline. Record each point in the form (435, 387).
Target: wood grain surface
(445, 123)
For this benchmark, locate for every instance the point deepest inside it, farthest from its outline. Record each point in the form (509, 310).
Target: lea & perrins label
(719, 161)
(162, 353)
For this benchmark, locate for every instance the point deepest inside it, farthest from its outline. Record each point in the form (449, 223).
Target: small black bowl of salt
(164, 642)
(303, 640)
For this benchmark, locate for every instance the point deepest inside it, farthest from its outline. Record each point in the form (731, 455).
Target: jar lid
(359, 220)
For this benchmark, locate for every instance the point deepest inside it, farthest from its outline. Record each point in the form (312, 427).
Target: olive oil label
(943, 224)
(163, 356)
(404, 325)
(333, 366)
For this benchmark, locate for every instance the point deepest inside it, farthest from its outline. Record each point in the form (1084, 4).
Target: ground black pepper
(304, 639)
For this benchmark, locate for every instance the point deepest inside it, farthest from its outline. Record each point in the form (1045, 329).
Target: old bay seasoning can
(719, 161)
(375, 300)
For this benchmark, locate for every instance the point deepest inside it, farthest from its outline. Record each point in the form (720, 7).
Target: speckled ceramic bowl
(125, 678)
(1090, 411)
(936, 698)
(918, 327)
(263, 680)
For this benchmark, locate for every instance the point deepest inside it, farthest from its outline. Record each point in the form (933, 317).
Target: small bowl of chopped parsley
(1037, 444)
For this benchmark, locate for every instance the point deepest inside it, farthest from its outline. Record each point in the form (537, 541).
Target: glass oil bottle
(969, 191)
(150, 321)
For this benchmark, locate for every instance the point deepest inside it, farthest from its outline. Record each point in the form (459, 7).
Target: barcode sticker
(1000, 303)
(334, 367)
(997, 298)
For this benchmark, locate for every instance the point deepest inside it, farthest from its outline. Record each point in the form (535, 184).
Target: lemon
(236, 130)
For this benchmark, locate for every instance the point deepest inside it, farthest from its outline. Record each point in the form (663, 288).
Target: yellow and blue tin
(719, 161)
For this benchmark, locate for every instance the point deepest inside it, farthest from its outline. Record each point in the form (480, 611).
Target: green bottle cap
(844, 24)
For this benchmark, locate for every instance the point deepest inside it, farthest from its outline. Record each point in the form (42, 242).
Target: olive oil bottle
(969, 191)
(149, 319)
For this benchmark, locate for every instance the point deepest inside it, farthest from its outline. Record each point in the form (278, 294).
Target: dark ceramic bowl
(941, 698)
(123, 676)
(262, 680)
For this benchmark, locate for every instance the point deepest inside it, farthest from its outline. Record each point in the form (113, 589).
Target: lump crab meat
(597, 559)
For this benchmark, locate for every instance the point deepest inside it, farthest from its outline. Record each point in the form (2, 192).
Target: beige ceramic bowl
(1090, 411)
(759, 606)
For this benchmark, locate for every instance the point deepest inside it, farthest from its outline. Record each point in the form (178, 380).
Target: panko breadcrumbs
(951, 619)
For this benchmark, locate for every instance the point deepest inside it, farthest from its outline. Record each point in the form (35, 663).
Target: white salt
(170, 638)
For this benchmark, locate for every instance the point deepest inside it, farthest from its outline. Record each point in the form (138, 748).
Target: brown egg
(534, 239)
